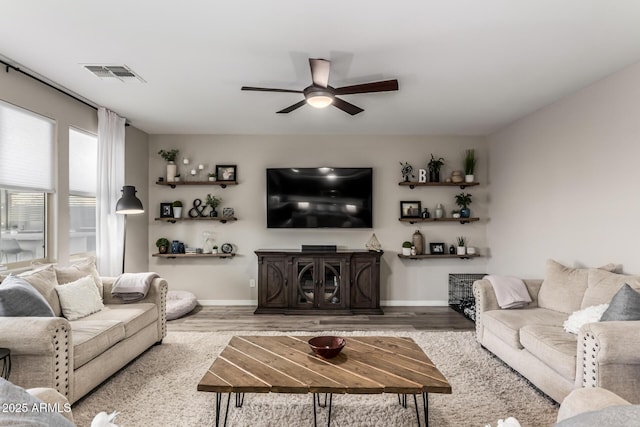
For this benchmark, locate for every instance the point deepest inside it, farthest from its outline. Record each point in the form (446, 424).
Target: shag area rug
(159, 389)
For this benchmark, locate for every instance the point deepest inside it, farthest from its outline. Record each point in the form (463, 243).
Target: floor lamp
(128, 204)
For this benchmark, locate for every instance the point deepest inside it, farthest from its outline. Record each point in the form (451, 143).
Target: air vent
(114, 72)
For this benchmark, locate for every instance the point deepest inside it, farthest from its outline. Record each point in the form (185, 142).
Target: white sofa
(75, 356)
(533, 342)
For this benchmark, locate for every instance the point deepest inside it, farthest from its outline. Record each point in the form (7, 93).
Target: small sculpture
(407, 171)
(373, 244)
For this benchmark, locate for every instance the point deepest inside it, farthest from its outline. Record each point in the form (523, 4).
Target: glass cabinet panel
(305, 283)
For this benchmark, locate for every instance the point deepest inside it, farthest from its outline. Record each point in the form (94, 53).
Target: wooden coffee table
(286, 364)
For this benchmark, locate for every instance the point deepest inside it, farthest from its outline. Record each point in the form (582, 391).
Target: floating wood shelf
(460, 220)
(430, 256)
(218, 255)
(222, 219)
(173, 184)
(462, 185)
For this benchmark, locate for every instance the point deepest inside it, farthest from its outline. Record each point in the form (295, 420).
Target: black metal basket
(461, 293)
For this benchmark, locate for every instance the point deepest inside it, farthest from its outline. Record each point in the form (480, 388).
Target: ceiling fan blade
(320, 71)
(292, 107)
(347, 107)
(266, 89)
(381, 86)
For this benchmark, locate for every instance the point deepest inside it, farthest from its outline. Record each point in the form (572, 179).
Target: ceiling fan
(321, 95)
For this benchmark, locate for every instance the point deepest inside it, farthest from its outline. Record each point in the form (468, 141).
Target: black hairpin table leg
(218, 408)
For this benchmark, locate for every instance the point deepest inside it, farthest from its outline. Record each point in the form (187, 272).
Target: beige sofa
(75, 356)
(533, 342)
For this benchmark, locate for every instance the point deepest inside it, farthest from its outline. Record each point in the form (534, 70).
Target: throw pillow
(79, 270)
(80, 298)
(625, 305)
(19, 298)
(581, 317)
(19, 408)
(563, 287)
(44, 280)
(604, 285)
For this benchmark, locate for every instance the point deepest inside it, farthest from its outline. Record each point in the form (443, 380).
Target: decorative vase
(162, 249)
(452, 250)
(214, 250)
(171, 172)
(469, 178)
(462, 250)
(406, 251)
(212, 178)
(418, 242)
(177, 212)
(425, 213)
(434, 175)
(439, 211)
(465, 212)
(213, 213)
(175, 247)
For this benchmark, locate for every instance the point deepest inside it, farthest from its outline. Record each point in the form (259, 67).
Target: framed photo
(166, 210)
(226, 172)
(410, 209)
(436, 248)
(227, 212)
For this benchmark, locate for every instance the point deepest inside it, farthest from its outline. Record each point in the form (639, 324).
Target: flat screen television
(319, 198)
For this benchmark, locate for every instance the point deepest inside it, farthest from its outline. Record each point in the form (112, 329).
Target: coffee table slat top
(286, 364)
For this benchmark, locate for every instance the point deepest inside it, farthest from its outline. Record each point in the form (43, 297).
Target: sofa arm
(609, 357)
(41, 351)
(157, 295)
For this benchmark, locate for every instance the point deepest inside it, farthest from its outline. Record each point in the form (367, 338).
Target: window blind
(83, 163)
(26, 149)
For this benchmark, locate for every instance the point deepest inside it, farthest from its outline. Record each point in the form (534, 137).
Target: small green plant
(169, 155)
(470, 162)
(215, 247)
(406, 244)
(463, 200)
(434, 164)
(163, 241)
(462, 241)
(177, 204)
(213, 201)
(211, 175)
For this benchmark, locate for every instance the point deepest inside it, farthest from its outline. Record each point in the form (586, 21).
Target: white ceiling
(465, 67)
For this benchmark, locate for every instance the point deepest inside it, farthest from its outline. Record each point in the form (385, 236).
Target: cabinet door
(365, 287)
(303, 292)
(273, 283)
(333, 280)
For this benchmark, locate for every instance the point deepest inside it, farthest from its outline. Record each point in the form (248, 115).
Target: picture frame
(436, 248)
(166, 210)
(227, 212)
(410, 209)
(227, 172)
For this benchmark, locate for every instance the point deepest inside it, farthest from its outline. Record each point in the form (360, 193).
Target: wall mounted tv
(319, 198)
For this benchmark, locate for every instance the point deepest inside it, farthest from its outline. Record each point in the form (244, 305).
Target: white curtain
(109, 225)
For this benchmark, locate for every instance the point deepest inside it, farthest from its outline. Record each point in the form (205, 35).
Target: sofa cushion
(562, 288)
(79, 270)
(91, 338)
(506, 324)
(18, 298)
(603, 285)
(625, 305)
(553, 346)
(44, 280)
(79, 299)
(134, 316)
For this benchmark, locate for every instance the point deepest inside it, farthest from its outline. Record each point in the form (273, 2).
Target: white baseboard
(390, 303)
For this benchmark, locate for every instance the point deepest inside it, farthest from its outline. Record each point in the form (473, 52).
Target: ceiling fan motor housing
(319, 97)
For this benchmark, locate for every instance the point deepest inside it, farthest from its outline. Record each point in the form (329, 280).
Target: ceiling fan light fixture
(319, 98)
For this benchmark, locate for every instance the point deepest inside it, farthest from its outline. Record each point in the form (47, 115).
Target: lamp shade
(129, 203)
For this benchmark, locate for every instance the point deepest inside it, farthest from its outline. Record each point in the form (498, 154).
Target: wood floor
(241, 318)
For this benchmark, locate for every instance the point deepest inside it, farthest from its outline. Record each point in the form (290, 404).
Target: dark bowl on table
(327, 346)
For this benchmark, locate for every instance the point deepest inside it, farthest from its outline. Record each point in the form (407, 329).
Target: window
(26, 177)
(83, 162)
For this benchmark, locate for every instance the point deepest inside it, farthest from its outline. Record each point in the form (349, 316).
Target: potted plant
(455, 214)
(176, 178)
(213, 202)
(462, 241)
(177, 209)
(170, 157)
(163, 245)
(469, 165)
(406, 248)
(214, 250)
(464, 200)
(434, 166)
(212, 176)
(407, 171)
